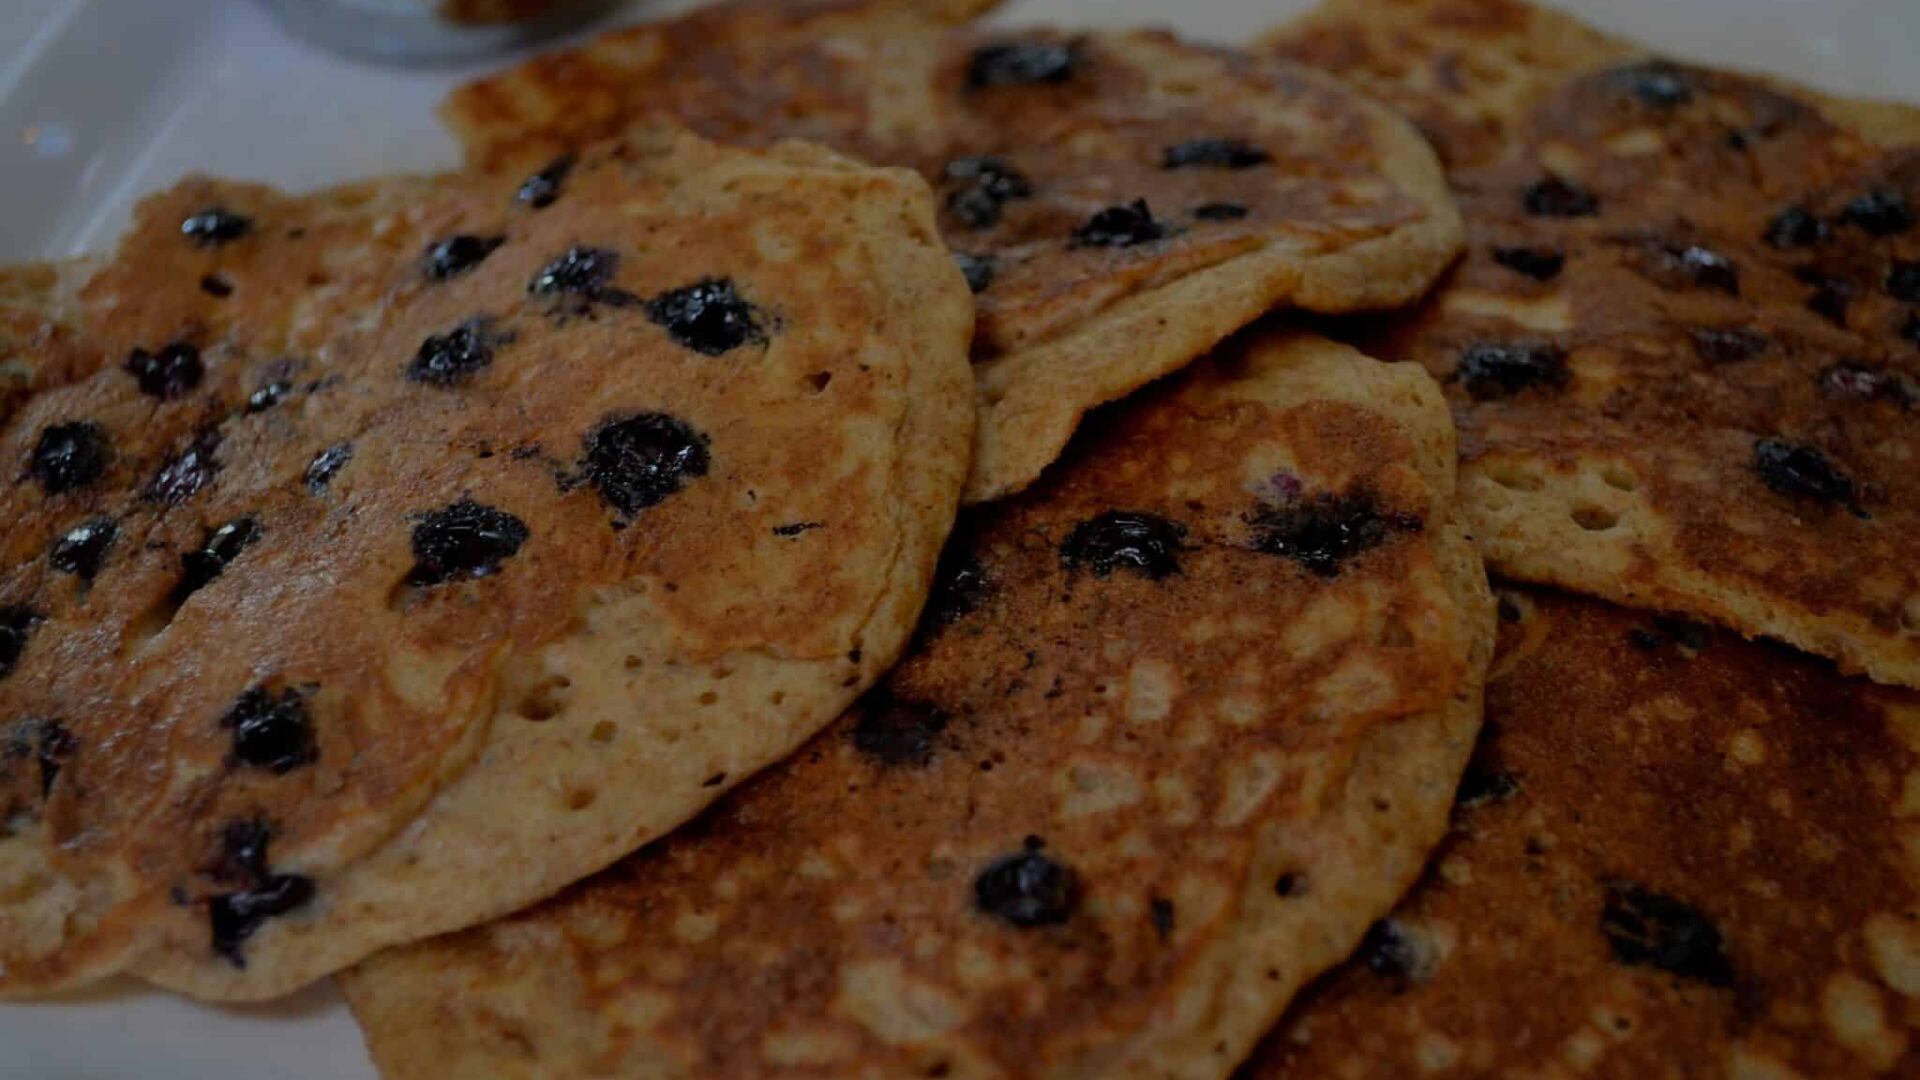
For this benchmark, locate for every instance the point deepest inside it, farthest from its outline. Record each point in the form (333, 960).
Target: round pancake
(1181, 721)
(1676, 854)
(1684, 352)
(1122, 201)
(644, 442)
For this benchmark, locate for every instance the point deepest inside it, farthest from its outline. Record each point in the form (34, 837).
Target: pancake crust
(1049, 846)
(1122, 201)
(555, 468)
(1684, 346)
(1675, 854)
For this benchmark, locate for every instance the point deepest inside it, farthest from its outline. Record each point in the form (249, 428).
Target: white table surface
(104, 100)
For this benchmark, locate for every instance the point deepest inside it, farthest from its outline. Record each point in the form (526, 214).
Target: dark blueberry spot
(1859, 381)
(1689, 635)
(1540, 264)
(1794, 227)
(17, 623)
(1903, 280)
(1286, 884)
(1800, 471)
(637, 461)
(1160, 910)
(214, 226)
(326, 465)
(1021, 64)
(216, 286)
(580, 271)
(1120, 226)
(235, 916)
(1648, 928)
(709, 317)
(271, 731)
(1219, 212)
(1484, 783)
(463, 540)
(69, 456)
(81, 549)
(1645, 639)
(1555, 196)
(243, 852)
(978, 270)
(959, 585)
(449, 358)
(1214, 154)
(1028, 889)
(1656, 83)
(1144, 543)
(1911, 330)
(1508, 610)
(1831, 296)
(1703, 267)
(1390, 952)
(1882, 212)
(458, 254)
(985, 186)
(269, 395)
(796, 528)
(543, 187)
(222, 546)
(1322, 531)
(182, 475)
(1728, 345)
(898, 732)
(1490, 370)
(172, 372)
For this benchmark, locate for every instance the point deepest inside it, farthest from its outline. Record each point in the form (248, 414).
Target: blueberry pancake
(605, 504)
(1675, 854)
(1119, 201)
(1684, 346)
(38, 345)
(1180, 722)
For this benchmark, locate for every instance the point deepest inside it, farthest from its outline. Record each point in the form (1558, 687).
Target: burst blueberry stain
(271, 730)
(1219, 212)
(1021, 64)
(326, 465)
(1555, 196)
(243, 852)
(455, 356)
(1126, 225)
(540, 190)
(899, 732)
(17, 624)
(184, 473)
(457, 254)
(1027, 889)
(1647, 928)
(81, 550)
(215, 226)
(69, 456)
(463, 540)
(985, 184)
(979, 270)
(710, 317)
(1146, 544)
(1213, 154)
(1496, 370)
(1322, 532)
(637, 461)
(1656, 83)
(1540, 264)
(1881, 211)
(171, 373)
(1728, 345)
(216, 553)
(234, 917)
(1800, 471)
(1793, 228)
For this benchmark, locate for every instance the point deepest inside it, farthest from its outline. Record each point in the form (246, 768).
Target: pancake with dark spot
(287, 647)
(1121, 201)
(1051, 847)
(1676, 853)
(1684, 345)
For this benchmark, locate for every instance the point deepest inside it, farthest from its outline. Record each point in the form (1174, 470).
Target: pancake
(38, 346)
(1676, 854)
(1235, 639)
(1684, 346)
(1121, 201)
(282, 639)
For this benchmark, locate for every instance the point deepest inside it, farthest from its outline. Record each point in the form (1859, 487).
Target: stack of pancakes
(584, 601)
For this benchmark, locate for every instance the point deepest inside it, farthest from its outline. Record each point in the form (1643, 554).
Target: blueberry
(1021, 64)
(1651, 929)
(579, 271)
(1859, 381)
(171, 373)
(221, 547)
(1903, 281)
(1214, 154)
(1391, 952)
(1482, 784)
(268, 395)
(69, 456)
(17, 623)
(1793, 228)
(898, 732)
(1120, 226)
(1831, 296)
(81, 549)
(542, 188)
(1800, 471)
(986, 185)
(1555, 196)
(214, 226)
(1704, 267)
(235, 916)
(1323, 531)
(1495, 370)
(1728, 345)
(463, 540)
(709, 317)
(183, 474)
(326, 465)
(1689, 635)
(1028, 889)
(978, 270)
(639, 460)
(1540, 264)
(1656, 83)
(216, 286)
(243, 852)
(1882, 211)
(1218, 212)
(1160, 910)
(455, 356)
(960, 585)
(1146, 544)
(271, 731)
(458, 254)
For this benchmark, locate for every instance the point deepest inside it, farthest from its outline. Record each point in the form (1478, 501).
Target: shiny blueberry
(1704, 267)
(1831, 296)
(1028, 889)
(542, 188)
(82, 549)
(1021, 64)
(960, 585)
(1651, 929)
(243, 852)
(221, 547)
(214, 226)
(1656, 83)
(69, 456)
(985, 185)
(637, 461)
(183, 474)
(1494, 370)
(581, 271)
(1728, 345)
(268, 395)
(326, 465)
(1214, 154)
(978, 270)
(453, 357)
(463, 540)
(458, 254)
(1323, 531)
(1555, 196)
(898, 732)
(1793, 228)
(1800, 471)
(271, 731)
(1120, 226)
(233, 917)
(710, 317)
(171, 373)
(1390, 951)
(17, 623)
(1540, 264)
(1882, 211)
(1146, 544)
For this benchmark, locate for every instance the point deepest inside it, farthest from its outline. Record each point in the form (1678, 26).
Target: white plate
(102, 101)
